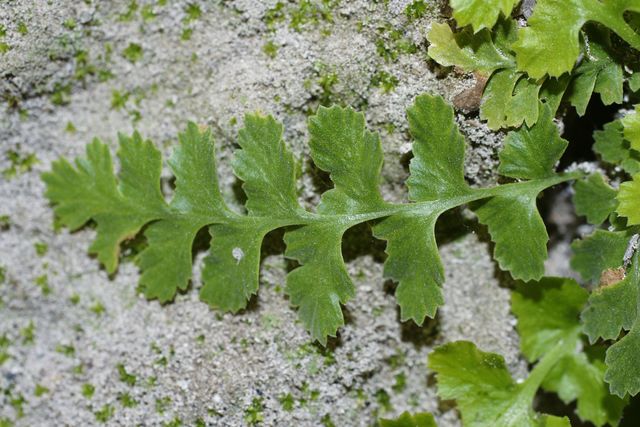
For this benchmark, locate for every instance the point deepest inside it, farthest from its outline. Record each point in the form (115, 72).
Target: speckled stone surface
(82, 348)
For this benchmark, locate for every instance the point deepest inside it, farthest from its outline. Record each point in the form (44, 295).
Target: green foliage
(126, 377)
(631, 125)
(629, 200)
(532, 152)
(423, 419)
(133, 52)
(594, 198)
(510, 98)
(612, 255)
(480, 13)
(105, 413)
(598, 252)
(340, 145)
(550, 44)
(548, 323)
(612, 309)
(512, 90)
(548, 316)
(614, 148)
(483, 389)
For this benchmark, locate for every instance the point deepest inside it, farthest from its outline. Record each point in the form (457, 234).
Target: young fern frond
(550, 336)
(568, 51)
(342, 146)
(609, 257)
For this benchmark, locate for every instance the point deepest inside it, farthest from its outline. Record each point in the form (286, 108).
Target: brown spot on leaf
(611, 277)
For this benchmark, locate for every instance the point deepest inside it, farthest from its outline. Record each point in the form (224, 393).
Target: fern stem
(431, 207)
(542, 369)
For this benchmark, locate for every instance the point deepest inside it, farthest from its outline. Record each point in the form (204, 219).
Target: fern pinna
(340, 145)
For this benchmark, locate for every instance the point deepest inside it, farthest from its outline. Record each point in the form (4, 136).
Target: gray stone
(190, 362)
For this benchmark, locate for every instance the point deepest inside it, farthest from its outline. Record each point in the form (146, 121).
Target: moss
(41, 248)
(130, 12)
(66, 349)
(326, 421)
(4, 47)
(127, 401)
(69, 24)
(105, 413)
(147, 13)
(74, 299)
(270, 49)
(40, 390)
(125, 377)
(327, 80)
(415, 10)
(22, 29)
(397, 360)
(119, 99)
(42, 282)
(70, 128)
(17, 402)
(253, 414)
(87, 390)
(83, 67)
(383, 399)
(287, 402)
(274, 15)
(4, 347)
(175, 422)
(97, 308)
(400, 382)
(300, 14)
(162, 403)
(28, 333)
(61, 94)
(391, 43)
(387, 82)
(193, 12)
(186, 34)
(133, 52)
(20, 163)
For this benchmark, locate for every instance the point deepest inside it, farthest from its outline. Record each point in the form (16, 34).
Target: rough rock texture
(73, 70)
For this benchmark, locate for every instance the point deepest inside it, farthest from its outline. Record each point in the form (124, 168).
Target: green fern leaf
(483, 389)
(342, 146)
(629, 200)
(532, 152)
(631, 124)
(598, 252)
(548, 315)
(480, 13)
(510, 96)
(423, 419)
(600, 72)
(471, 52)
(91, 191)
(614, 148)
(594, 198)
(550, 43)
(613, 308)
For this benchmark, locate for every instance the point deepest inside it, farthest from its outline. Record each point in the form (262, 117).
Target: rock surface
(82, 348)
